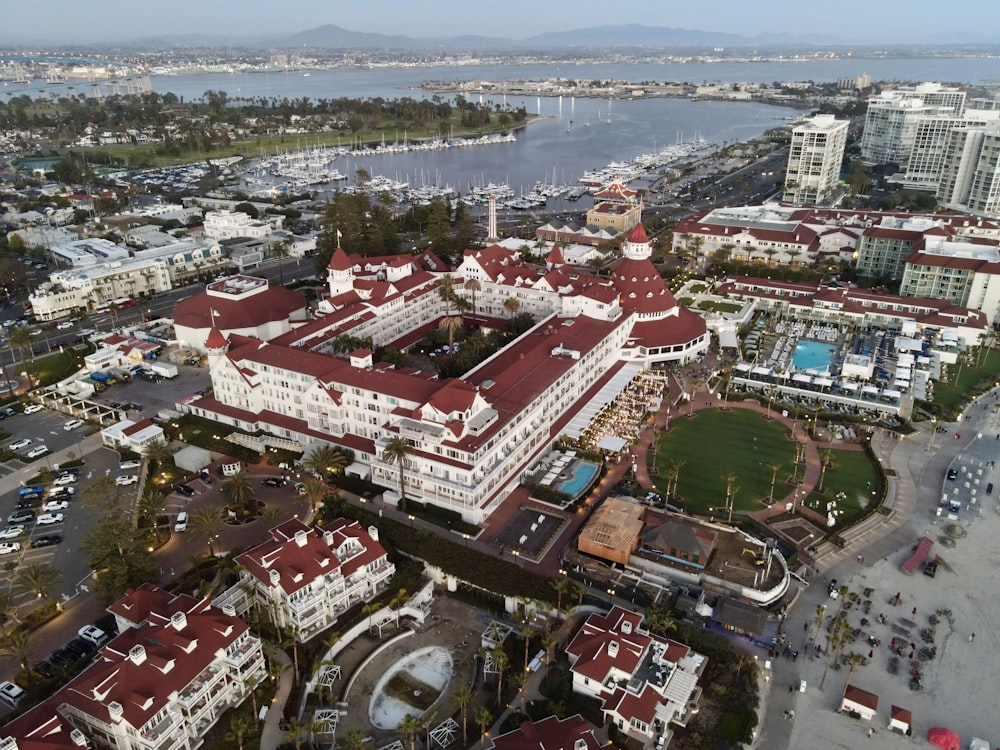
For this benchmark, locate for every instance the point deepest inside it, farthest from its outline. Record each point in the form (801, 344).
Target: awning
(608, 393)
(612, 443)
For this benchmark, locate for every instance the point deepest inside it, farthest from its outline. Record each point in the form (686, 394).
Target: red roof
(638, 234)
(861, 697)
(641, 286)
(215, 340)
(555, 256)
(339, 260)
(550, 733)
(273, 304)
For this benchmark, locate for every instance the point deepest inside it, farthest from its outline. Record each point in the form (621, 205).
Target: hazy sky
(864, 20)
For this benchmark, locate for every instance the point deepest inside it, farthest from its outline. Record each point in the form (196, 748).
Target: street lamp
(411, 520)
(211, 548)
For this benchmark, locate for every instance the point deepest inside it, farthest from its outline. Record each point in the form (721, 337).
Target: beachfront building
(966, 274)
(177, 666)
(814, 160)
(307, 577)
(646, 683)
(473, 438)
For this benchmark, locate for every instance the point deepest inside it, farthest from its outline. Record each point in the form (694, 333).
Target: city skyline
(888, 22)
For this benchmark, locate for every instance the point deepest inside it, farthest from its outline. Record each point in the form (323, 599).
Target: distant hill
(634, 35)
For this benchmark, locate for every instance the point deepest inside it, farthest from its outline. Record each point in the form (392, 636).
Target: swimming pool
(583, 474)
(813, 356)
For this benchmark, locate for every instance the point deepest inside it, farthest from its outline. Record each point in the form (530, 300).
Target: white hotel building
(473, 437)
(814, 160)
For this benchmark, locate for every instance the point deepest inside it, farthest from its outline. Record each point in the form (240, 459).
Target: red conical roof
(216, 340)
(339, 260)
(555, 256)
(638, 234)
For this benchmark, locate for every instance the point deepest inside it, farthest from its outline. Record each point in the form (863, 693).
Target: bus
(123, 303)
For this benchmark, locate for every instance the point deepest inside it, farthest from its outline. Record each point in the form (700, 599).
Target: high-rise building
(814, 160)
(970, 176)
(893, 115)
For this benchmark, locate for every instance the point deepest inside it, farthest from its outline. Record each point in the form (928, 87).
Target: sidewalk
(272, 735)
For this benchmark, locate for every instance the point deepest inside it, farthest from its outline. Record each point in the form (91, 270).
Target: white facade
(893, 115)
(814, 159)
(228, 225)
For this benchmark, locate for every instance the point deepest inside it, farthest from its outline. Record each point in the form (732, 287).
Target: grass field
(714, 444)
(949, 396)
(853, 474)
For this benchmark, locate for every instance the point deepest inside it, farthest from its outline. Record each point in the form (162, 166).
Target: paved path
(272, 735)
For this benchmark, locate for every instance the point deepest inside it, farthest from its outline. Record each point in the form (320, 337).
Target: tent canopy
(611, 443)
(943, 738)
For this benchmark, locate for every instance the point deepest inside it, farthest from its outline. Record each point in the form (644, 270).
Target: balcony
(240, 650)
(199, 684)
(154, 736)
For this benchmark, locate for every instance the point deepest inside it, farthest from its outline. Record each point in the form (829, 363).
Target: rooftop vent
(178, 620)
(301, 537)
(137, 654)
(275, 577)
(626, 627)
(613, 649)
(115, 710)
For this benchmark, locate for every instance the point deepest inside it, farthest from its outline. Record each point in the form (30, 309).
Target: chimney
(301, 537)
(613, 649)
(137, 654)
(115, 710)
(275, 577)
(328, 538)
(626, 627)
(373, 533)
(178, 621)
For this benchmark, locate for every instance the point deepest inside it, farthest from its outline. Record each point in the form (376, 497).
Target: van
(989, 488)
(10, 693)
(181, 522)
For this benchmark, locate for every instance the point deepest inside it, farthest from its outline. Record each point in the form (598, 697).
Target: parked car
(47, 519)
(61, 493)
(93, 634)
(126, 465)
(126, 479)
(21, 516)
(64, 479)
(61, 657)
(21, 444)
(80, 647)
(53, 505)
(10, 693)
(7, 548)
(952, 474)
(38, 450)
(63, 325)
(33, 408)
(181, 523)
(72, 424)
(185, 490)
(46, 540)
(12, 532)
(273, 482)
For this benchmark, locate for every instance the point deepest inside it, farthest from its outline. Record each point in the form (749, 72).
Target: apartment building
(964, 273)
(814, 160)
(893, 115)
(307, 577)
(178, 664)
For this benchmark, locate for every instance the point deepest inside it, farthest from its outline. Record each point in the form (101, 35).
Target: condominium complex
(814, 160)
(893, 115)
(964, 273)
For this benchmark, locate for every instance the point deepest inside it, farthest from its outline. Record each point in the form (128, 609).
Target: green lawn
(719, 307)
(853, 474)
(713, 444)
(949, 396)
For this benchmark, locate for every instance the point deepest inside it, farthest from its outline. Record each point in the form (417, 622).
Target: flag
(339, 236)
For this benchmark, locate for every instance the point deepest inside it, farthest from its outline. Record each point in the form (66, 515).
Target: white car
(10, 693)
(63, 479)
(19, 444)
(126, 465)
(93, 634)
(33, 408)
(37, 451)
(53, 505)
(7, 548)
(12, 532)
(63, 325)
(46, 519)
(72, 424)
(126, 480)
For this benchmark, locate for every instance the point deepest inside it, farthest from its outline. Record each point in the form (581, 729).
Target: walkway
(272, 735)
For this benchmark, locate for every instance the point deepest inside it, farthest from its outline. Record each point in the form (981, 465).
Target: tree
(20, 338)
(659, 621)
(38, 579)
(836, 636)
(775, 468)
(325, 460)
(562, 587)
(206, 521)
(473, 286)
(450, 324)
(156, 451)
(239, 490)
(511, 305)
(397, 451)
(461, 699)
(501, 661)
(315, 493)
(354, 740)
(149, 506)
(483, 718)
(854, 660)
(104, 494)
(281, 250)
(247, 208)
(241, 726)
(409, 726)
(292, 636)
(17, 644)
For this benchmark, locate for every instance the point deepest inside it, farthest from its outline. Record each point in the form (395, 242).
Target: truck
(104, 378)
(163, 369)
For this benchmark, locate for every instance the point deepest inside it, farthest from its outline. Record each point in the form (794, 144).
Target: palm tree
(315, 493)
(824, 465)
(369, 610)
(397, 451)
(292, 635)
(775, 468)
(38, 579)
(511, 305)
(156, 451)
(562, 587)
(473, 286)
(295, 730)
(483, 718)
(18, 645)
(326, 461)
(8, 605)
(461, 699)
(397, 602)
(271, 515)
(409, 726)
(449, 325)
(149, 505)
(659, 621)
(501, 661)
(20, 338)
(240, 727)
(239, 490)
(447, 293)
(281, 250)
(206, 521)
(354, 740)
(853, 660)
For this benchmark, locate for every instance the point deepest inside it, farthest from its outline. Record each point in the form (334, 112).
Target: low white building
(131, 436)
(307, 577)
(228, 225)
